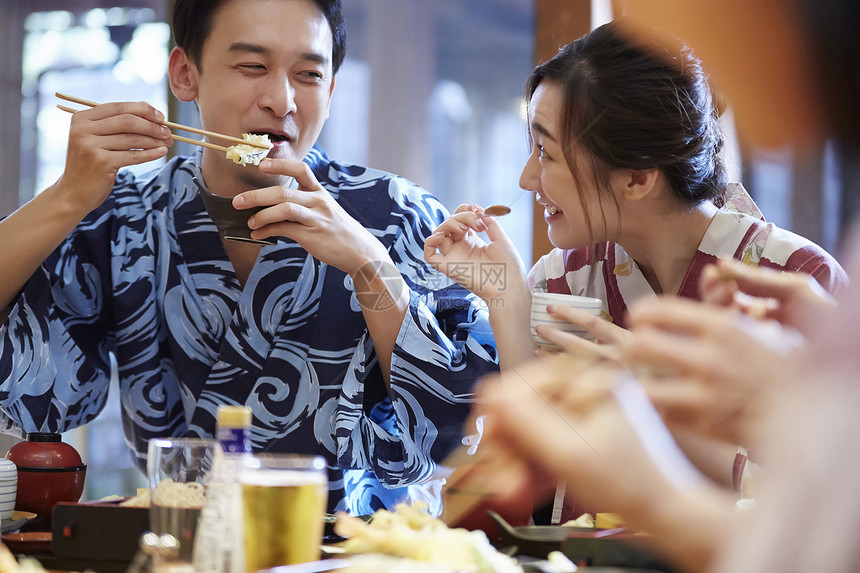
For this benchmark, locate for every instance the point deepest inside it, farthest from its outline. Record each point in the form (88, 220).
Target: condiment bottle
(234, 429)
(219, 546)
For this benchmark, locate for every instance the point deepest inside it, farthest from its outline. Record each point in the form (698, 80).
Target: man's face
(265, 68)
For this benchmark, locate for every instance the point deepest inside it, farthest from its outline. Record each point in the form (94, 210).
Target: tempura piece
(244, 154)
(413, 534)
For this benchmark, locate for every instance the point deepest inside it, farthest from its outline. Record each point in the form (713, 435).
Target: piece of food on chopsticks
(608, 520)
(244, 154)
(412, 534)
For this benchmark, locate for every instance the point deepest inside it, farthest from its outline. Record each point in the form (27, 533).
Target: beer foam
(281, 477)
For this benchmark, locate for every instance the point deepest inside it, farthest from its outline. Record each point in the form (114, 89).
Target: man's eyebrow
(248, 47)
(258, 49)
(315, 58)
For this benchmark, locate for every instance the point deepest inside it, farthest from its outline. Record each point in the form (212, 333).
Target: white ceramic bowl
(8, 488)
(540, 316)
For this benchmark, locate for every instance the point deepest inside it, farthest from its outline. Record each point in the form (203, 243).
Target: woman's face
(547, 174)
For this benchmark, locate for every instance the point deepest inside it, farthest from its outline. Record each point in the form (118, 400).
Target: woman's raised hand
(490, 270)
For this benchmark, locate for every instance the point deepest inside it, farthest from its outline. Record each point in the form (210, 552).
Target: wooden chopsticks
(172, 135)
(172, 125)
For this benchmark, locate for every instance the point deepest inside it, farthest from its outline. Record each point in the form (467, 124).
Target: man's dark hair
(192, 24)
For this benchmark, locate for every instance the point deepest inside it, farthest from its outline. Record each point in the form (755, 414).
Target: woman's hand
(310, 216)
(493, 270)
(101, 141)
(606, 337)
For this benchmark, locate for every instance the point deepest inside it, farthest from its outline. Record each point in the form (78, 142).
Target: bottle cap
(234, 416)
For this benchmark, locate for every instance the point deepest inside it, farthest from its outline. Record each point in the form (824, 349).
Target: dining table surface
(104, 538)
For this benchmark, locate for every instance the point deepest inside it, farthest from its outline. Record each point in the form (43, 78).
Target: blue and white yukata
(145, 277)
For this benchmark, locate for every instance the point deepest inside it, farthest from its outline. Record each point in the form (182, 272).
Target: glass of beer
(179, 470)
(283, 503)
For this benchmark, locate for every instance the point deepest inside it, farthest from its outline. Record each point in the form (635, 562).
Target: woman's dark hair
(632, 107)
(192, 23)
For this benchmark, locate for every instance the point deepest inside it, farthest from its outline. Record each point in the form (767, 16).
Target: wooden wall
(557, 22)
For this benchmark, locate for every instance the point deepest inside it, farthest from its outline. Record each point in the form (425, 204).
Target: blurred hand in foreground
(793, 299)
(708, 368)
(592, 425)
(585, 422)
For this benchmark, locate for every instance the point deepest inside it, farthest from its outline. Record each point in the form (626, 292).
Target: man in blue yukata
(338, 336)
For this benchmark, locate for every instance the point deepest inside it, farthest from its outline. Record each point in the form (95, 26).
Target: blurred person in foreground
(338, 336)
(806, 425)
(802, 420)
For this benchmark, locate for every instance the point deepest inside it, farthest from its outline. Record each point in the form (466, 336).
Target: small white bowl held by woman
(8, 488)
(540, 316)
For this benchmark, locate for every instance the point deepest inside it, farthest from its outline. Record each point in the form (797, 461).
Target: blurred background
(429, 90)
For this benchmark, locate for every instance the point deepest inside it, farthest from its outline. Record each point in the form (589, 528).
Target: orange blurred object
(755, 53)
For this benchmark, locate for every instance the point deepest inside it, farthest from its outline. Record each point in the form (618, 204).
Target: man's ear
(183, 75)
(635, 184)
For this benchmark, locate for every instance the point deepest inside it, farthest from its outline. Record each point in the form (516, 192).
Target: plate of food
(18, 519)
(540, 540)
(595, 546)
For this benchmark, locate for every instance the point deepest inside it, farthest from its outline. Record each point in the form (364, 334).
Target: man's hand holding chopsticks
(104, 139)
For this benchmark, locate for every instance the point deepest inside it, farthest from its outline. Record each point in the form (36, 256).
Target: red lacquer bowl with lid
(49, 471)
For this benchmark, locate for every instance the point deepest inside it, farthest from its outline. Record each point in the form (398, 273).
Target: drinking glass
(179, 469)
(283, 504)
